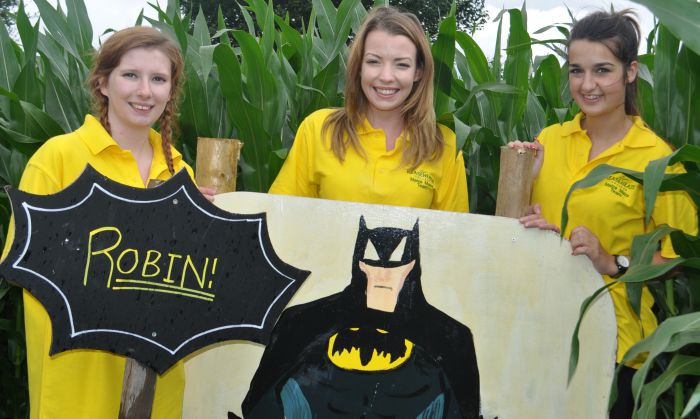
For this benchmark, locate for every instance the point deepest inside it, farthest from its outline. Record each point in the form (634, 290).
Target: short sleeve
(36, 181)
(676, 209)
(451, 193)
(296, 176)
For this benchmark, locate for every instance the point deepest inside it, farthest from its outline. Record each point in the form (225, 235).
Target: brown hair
(108, 58)
(619, 32)
(425, 139)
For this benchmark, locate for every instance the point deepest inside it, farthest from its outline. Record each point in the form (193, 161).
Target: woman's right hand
(534, 219)
(537, 147)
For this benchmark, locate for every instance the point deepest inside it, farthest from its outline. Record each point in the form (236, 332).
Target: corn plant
(258, 82)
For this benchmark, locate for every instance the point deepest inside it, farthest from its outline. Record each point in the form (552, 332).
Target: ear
(104, 84)
(363, 267)
(419, 74)
(632, 71)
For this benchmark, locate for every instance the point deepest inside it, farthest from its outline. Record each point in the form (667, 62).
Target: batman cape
(430, 362)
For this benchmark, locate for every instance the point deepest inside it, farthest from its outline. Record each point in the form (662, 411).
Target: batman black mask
(388, 247)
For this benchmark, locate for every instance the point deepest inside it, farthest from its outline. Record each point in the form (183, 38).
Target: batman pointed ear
(363, 224)
(415, 227)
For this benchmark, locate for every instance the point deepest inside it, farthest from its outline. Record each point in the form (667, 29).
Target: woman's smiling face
(138, 89)
(389, 70)
(597, 78)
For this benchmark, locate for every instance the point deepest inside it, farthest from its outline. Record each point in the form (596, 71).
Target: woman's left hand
(207, 192)
(584, 242)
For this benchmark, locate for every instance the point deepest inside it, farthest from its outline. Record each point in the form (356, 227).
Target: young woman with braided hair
(135, 82)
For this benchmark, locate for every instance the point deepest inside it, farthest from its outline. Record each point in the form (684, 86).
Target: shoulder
(318, 117)
(449, 140)
(558, 131)
(448, 135)
(645, 139)
(57, 149)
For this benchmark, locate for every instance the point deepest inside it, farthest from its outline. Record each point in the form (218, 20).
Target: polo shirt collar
(95, 136)
(367, 128)
(638, 136)
(97, 139)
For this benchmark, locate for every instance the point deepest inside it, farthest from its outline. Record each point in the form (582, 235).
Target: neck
(391, 122)
(607, 129)
(130, 139)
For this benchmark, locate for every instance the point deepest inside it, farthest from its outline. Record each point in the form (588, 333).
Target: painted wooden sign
(153, 274)
(517, 292)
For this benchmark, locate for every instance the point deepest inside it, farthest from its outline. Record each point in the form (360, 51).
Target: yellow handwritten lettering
(104, 251)
(151, 262)
(121, 257)
(170, 267)
(201, 280)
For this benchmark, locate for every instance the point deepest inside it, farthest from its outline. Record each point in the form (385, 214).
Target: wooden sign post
(138, 391)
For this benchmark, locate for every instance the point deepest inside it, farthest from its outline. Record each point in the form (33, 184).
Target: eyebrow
(409, 58)
(603, 64)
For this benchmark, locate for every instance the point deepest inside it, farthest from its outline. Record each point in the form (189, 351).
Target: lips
(385, 91)
(140, 107)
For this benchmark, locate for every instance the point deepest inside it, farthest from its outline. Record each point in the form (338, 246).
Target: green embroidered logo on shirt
(620, 185)
(422, 179)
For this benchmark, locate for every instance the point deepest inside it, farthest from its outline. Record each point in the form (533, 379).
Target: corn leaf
(9, 63)
(680, 365)
(517, 69)
(59, 103)
(78, 21)
(681, 17)
(671, 335)
(692, 403)
(664, 80)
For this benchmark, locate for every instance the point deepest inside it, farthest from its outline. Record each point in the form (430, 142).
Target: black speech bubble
(200, 274)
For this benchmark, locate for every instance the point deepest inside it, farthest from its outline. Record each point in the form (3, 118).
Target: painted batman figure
(377, 349)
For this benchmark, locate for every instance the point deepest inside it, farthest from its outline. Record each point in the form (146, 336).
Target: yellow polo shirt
(86, 383)
(614, 209)
(312, 170)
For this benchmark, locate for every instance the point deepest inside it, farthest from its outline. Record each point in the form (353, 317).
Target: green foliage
(256, 77)
(7, 8)
(470, 14)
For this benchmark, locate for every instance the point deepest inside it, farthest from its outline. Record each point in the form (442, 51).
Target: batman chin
(376, 349)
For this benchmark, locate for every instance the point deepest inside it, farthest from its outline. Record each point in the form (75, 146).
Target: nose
(387, 73)
(588, 83)
(144, 87)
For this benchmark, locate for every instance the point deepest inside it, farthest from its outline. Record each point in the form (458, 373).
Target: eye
(129, 75)
(160, 79)
(602, 70)
(370, 252)
(404, 65)
(575, 71)
(397, 254)
(371, 61)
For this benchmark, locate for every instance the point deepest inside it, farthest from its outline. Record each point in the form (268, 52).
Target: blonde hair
(109, 57)
(424, 139)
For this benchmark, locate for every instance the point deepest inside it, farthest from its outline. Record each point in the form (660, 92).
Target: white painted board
(518, 290)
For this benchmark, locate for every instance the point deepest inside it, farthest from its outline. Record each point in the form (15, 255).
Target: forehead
(146, 59)
(583, 52)
(383, 43)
